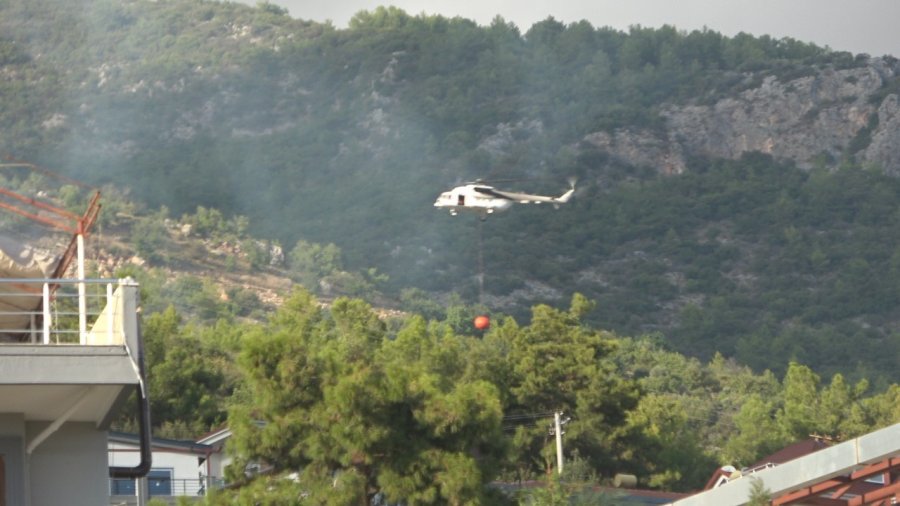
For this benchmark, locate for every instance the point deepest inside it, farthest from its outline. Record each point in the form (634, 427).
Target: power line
(525, 420)
(528, 416)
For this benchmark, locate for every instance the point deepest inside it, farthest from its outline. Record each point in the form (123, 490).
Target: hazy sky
(858, 26)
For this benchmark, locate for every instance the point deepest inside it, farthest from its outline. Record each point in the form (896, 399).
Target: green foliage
(11, 53)
(459, 315)
(243, 302)
(149, 236)
(336, 398)
(757, 433)
(166, 98)
(198, 298)
(417, 301)
(759, 494)
(212, 224)
(117, 206)
(382, 18)
(882, 410)
(271, 8)
(668, 425)
(723, 412)
(342, 144)
(557, 364)
(556, 491)
(346, 413)
(257, 253)
(190, 372)
(309, 262)
(71, 198)
(553, 494)
(266, 491)
(799, 415)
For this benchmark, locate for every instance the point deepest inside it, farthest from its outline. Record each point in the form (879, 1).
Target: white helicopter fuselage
(467, 198)
(486, 200)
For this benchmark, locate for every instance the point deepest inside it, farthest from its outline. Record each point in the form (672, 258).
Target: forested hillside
(724, 282)
(736, 195)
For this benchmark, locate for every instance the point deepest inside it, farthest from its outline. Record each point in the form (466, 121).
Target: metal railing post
(47, 313)
(82, 303)
(111, 313)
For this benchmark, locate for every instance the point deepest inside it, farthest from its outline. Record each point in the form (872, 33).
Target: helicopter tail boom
(565, 197)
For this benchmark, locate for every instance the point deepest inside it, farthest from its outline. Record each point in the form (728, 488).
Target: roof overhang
(40, 382)
(49, 402)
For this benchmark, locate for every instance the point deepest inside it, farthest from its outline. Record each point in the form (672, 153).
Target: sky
(858, 26)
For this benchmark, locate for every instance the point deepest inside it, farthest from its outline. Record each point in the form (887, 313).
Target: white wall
(219, 460)
(69, 467)
(218, 463)
(185, 466)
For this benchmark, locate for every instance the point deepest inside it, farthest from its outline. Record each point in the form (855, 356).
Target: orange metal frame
(81, 226)
(830, 492)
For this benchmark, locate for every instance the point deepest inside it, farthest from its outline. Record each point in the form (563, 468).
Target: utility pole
(557, 428)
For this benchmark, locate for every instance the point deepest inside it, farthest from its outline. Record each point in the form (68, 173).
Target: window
(121, 486)
(159, 482)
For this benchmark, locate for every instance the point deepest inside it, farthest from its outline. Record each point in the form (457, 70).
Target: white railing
(52, 311)
(167, 487)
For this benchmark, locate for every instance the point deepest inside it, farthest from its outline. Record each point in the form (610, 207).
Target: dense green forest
(319, 136)
(344, 391)
(698, 317)
(388, 406)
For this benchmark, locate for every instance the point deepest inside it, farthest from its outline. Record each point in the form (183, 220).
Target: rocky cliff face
(813, 120)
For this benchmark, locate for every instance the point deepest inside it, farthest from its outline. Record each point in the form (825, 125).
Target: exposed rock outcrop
(885, 146)
(811, 120)
(643, 148)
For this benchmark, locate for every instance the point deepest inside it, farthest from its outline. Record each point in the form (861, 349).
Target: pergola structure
(864, 471)
(873, 485)
(60, 219)
(57, 218)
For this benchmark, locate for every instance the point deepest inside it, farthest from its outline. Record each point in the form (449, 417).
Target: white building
(219, 459)
(180, 468)
(71, 356)
(60, 389)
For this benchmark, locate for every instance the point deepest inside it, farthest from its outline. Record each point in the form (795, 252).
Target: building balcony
(68, 348)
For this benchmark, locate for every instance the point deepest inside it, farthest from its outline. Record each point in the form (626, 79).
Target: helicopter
(485, 199)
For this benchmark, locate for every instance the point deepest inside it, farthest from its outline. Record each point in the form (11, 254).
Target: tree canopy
(337, 405)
